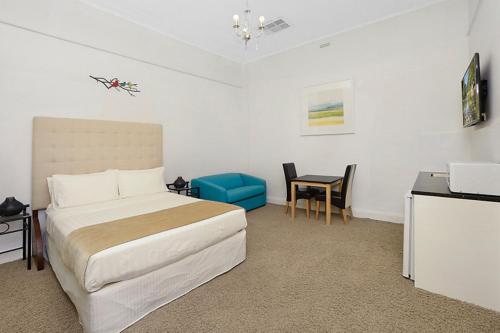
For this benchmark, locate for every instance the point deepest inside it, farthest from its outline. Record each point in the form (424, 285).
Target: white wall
(407, 73)
(485, 38)
(198, 97)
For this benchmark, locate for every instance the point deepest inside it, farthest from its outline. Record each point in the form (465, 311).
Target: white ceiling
(207, 24)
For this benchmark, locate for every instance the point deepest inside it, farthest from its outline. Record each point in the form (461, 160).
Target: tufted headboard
(75, 146)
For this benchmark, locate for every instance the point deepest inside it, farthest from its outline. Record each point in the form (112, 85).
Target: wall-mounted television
(473, 94)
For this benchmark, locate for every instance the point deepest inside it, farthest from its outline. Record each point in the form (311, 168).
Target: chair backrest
(290, 173)
(346, 193)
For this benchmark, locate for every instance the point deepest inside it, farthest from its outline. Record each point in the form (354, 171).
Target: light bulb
(262, 19)
(236, 18)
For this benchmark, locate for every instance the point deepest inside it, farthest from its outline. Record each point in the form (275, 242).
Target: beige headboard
(75, 146)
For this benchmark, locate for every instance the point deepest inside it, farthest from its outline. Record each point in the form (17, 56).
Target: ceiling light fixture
(244, 30)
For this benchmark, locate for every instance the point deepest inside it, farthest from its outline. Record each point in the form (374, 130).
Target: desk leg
(328, 209)
(294, 200)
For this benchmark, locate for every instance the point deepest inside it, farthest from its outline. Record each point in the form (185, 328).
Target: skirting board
(358, 212)
(378, 215)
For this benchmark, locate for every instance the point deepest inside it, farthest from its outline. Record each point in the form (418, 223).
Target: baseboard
(276, 200)
(358, 212)
(378, 215)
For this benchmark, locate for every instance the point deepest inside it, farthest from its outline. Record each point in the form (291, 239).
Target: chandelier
(244, 30)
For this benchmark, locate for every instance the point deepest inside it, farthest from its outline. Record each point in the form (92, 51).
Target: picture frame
(328, 109)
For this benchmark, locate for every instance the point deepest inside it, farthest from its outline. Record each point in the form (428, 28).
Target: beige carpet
(297, 278)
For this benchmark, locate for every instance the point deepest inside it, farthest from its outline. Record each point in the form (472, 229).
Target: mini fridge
(409, 239)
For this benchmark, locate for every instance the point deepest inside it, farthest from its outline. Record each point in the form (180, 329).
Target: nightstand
(189, 191)
(26, 230)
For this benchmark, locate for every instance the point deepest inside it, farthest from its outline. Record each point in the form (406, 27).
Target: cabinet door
(457, 248)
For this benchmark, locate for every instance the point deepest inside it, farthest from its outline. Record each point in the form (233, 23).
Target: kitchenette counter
(436, 184)
(456, 242)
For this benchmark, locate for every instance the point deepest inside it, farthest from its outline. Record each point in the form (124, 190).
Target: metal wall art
(118, 85)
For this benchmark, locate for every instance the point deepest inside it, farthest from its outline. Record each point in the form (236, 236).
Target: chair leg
(286, 207)
(344, 215)
(318, 207)
(308, 209)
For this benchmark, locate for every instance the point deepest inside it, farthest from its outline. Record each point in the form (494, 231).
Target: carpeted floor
(297, 278)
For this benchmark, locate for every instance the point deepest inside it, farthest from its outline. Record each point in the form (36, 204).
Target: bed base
(118, 305)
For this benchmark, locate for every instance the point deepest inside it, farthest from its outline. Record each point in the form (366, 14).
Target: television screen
(471, 97)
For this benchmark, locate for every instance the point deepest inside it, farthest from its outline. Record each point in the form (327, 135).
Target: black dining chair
(307, 194)
(342, 199)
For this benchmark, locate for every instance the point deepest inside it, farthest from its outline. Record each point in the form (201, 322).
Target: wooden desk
(327, 182)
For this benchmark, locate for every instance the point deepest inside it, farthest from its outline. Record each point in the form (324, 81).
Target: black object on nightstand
(189, 191)
(26, 229)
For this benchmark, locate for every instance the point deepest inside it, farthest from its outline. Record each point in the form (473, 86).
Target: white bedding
(143, 255)
(118, 305)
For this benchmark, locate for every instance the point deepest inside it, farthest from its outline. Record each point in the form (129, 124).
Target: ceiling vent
(276, 26)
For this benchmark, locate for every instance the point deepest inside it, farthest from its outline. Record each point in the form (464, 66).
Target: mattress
(141, 256)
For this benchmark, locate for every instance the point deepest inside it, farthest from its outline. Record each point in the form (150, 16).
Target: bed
(121, 284)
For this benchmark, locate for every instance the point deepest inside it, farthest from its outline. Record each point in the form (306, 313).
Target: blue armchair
(236, 188)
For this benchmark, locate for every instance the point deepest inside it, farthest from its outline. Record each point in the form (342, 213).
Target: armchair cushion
(244, 192)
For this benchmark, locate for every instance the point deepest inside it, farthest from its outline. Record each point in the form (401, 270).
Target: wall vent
(276, 26)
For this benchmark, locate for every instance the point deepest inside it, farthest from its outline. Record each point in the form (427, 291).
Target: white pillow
(138, 182)
(51, 192)
(77, 190)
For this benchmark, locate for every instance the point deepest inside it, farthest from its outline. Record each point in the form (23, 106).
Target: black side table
(26, 229)
(189, 191)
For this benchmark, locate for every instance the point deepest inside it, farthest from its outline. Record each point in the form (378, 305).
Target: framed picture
(328, 109)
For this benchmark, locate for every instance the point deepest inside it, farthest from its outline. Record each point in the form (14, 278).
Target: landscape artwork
(328, 109)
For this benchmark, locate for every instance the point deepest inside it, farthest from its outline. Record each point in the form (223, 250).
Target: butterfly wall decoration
(129, 87)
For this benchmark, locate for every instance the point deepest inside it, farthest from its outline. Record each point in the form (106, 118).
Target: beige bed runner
(82, 243)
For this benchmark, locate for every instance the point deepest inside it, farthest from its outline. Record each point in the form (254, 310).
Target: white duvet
(144, 255)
